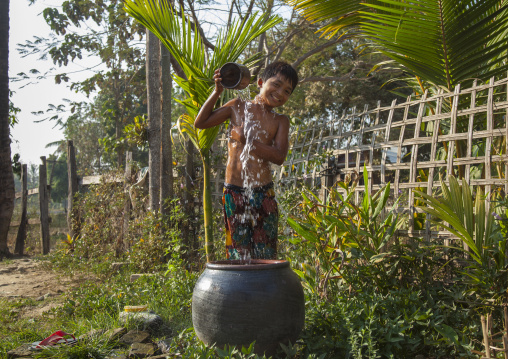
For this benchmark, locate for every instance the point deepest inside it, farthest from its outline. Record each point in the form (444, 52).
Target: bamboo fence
(411, 145)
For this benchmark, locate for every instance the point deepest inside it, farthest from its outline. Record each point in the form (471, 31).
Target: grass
(95, 304)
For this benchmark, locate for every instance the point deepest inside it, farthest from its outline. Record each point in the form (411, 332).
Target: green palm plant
(442, 42)
(187, 47)
(474, 223)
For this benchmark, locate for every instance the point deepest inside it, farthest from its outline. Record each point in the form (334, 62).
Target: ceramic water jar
(237, 304)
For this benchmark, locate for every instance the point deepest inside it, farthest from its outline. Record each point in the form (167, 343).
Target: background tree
(115, 41)
(6, 177)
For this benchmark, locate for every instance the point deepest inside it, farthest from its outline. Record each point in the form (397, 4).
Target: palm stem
(207, 205)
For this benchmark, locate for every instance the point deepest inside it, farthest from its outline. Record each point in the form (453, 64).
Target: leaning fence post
(328, 178)
(127, 204)
(44, 205)
(486, 342)
(21, 237)
(73, 189)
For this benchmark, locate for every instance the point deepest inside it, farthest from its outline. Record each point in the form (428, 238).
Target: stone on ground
(145, 320)
(113, 335)
(141, 350)
(19, 352)
(135, 336)
(118, 266)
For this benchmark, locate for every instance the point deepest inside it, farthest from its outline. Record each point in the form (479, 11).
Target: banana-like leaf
(479, 219)
(443, 211)
(382, 201)
(468, 208)
(456, 198)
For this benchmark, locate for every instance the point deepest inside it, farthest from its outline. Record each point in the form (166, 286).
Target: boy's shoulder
(281, 117)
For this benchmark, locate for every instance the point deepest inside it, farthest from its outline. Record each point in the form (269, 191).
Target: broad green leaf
(303, 231)
(382, 201)
(479, 219)
(448, 332)
(468, 208)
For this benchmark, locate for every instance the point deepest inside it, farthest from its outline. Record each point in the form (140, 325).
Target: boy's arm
(275, 153)
(206, 117)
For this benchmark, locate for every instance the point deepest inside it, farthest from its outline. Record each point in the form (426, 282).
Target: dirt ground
(28, 278)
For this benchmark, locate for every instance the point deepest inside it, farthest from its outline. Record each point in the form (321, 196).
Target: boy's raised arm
(206, 117)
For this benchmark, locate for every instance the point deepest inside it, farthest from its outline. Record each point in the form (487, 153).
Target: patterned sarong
(251, 222)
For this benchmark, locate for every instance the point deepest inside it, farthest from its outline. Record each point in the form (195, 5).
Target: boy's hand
(218, 86)
(237, 134)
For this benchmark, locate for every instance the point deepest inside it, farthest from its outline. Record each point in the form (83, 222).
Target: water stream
(252, 129)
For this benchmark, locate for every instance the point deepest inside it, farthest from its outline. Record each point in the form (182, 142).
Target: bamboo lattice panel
(410, 145)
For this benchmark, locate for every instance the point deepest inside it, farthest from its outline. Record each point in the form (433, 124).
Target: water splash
(245, 257)
(251, 131)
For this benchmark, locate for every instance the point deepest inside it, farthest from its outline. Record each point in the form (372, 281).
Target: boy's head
(284, 69)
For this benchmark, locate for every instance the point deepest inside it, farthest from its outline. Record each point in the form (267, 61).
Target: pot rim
(255, 264)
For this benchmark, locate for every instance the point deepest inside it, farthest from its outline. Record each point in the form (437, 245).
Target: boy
(257, 137)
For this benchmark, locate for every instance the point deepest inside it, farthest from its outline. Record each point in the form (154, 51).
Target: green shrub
(400, 324)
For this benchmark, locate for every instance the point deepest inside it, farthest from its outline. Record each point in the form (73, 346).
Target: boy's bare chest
(260, 124)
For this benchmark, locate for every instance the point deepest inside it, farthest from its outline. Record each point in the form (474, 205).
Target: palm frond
(336, 15)
(445, 42)
(186, 46)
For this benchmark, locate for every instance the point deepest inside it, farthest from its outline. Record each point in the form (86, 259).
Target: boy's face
(275, 91)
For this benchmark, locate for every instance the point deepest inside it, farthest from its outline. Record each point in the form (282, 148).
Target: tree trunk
(21, 237)
(166, 150)
(7, 191)
(153, 80)
(44, 205)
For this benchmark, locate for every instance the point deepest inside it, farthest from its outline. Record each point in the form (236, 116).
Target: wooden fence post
(127, 205)
(485, 333)
(329, 174)
(21, 237)
(44, 205)
(73, 189)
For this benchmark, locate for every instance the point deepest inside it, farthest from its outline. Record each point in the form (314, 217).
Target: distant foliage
(147, 240)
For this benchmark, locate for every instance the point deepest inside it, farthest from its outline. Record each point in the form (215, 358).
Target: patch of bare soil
(28, 278)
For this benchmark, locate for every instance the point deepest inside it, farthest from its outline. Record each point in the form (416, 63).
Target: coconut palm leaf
(442, 41)
(186, 46)
(456, 39)
(336, 15)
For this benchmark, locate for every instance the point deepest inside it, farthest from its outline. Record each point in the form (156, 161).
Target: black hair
(283, 68)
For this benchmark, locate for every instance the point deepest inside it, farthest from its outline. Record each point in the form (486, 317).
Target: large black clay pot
(237, 304)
